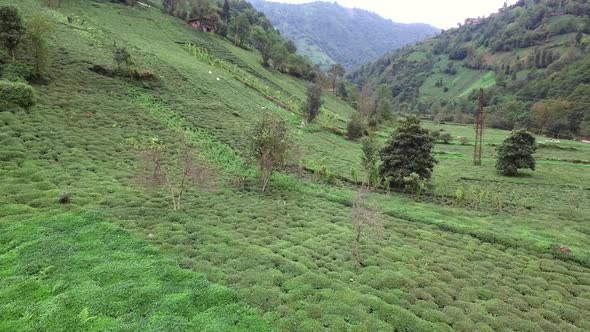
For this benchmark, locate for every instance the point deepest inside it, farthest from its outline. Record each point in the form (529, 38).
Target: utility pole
(479, 128)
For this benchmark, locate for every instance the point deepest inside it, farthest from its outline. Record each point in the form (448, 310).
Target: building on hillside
(205, 24)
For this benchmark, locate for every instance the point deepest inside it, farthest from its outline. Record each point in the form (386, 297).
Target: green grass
(285, 256)
(79, 272)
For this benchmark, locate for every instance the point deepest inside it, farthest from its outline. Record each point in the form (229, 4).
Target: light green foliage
(39, 28)
(77, 271)
(16, 94)
(485, 265)
(16, 72)
(270, 145)
(370, 160)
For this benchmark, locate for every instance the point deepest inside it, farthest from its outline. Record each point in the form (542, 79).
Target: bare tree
(365, 218)
(176, 175)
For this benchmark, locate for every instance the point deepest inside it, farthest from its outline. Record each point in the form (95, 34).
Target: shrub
(65, 198)
(435, 135)
(122, 57)
(356, 127)
(446, 138)
(16, 94)
(414, 184)
(17, 72)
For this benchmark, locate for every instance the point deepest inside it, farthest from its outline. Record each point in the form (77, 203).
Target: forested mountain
(329, 33)
(531, 58)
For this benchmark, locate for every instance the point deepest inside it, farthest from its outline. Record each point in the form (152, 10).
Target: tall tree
(516, 152)
(314, 101)
(170, 6)
(270, 146)
(409, 151)
(12, 28)
(226, 11)
(263, 43)
(38, 28)
(370, 158)
(335, 73)
(240, 27)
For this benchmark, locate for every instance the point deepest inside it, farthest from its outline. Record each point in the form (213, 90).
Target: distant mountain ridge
(329, 33)
(532, 58)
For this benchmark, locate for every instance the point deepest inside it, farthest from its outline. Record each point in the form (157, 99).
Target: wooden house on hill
(205, 24)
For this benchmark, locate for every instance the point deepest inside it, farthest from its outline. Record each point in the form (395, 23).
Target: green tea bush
(16, 94)
(16, 72)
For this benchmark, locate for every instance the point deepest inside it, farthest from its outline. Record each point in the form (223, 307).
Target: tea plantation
(482, 252)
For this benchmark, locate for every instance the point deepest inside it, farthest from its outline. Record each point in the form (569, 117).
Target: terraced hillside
(118, 257)
(531, 58)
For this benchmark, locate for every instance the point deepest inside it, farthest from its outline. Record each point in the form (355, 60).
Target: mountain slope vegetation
(329, 33)
(531, 58)
(89, 242)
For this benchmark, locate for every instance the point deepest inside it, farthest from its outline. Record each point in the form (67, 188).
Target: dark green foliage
(16, 94)
(65, 198)
(12, 29)
(356, 127)
(169, 6)
(16, 72)
(458, 53)
(122, 57)
(446, 138)
(516, 153)
(408, 151)
(314, 101)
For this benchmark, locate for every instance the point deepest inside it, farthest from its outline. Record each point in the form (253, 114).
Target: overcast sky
(440, 13)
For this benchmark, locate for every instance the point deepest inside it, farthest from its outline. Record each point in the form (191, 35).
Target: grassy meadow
(475, 255)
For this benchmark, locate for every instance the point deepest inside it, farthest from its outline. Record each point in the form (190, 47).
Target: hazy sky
(440, 13)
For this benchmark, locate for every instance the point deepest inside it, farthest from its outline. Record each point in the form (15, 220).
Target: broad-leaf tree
(314, 101)
(516, 153)
(12, 28)
(270, 145)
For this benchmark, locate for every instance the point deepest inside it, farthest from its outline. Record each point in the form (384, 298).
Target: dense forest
(241, 23)
(329, 33)
(531, 58)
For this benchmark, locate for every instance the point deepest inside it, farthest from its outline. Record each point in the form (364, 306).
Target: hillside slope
(86, 243)
(532, 59)
(329, 33)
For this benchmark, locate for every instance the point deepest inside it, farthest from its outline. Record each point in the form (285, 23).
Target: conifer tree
(408, 151)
